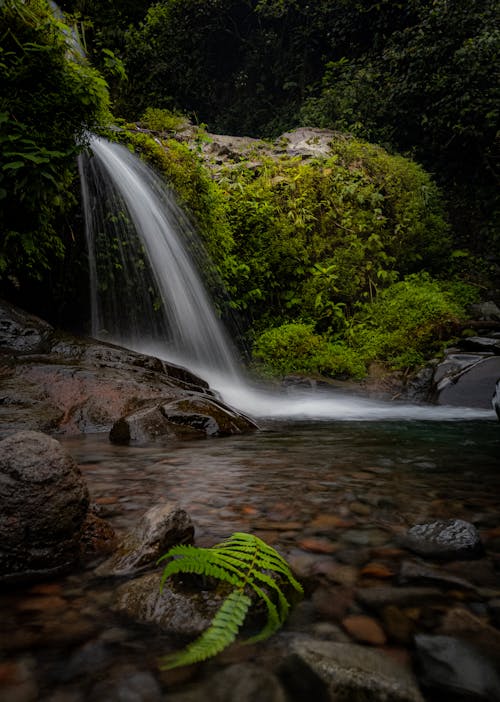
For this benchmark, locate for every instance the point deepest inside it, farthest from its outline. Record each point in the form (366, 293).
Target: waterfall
(146, 292)
(147, 295)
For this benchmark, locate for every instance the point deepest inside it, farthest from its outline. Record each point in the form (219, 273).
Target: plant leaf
(220, 634)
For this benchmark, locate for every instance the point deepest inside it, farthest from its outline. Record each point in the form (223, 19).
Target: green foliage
(428, 84)
(253, 570)
(317, 236)
(199, 195)
(50, 97)
(407, 321)
(295, 348)
(162, 120)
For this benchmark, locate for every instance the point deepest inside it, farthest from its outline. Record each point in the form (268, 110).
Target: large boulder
(54, 382)
(189, 417)
(44, 504)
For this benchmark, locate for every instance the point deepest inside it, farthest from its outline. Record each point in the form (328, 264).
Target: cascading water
(147, 294)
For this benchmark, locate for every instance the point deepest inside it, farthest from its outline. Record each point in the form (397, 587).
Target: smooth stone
(472, 387)
(452, 539)
(415, 572)
(241, 682)
(133, 687)
(452, 667)
(185, 614)
(380, 596)
(327, 671)
(160, 528)
(364, 629)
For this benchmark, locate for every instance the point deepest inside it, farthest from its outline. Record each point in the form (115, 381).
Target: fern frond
(221, 632)
(247, 563)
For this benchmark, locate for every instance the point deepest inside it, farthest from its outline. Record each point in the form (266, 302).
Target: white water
(185, 328)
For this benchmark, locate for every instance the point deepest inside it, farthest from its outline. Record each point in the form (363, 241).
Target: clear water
(279, 484)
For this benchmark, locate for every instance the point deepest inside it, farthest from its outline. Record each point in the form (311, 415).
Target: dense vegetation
(330, 263)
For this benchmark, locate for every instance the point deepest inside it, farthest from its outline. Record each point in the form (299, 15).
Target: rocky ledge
(59, 384)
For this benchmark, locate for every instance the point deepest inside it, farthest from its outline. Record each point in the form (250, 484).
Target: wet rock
(364, 629)
(22, 332)
(481, 343)
(135, 686)
(495, 400)
(462, 623)
(417, 572)
(380, 596)
(183, 613)
(454, 669)
(470, 386)
(241, 682)
(17, 681)
(326, 671)
(44, 503)
(54, 382)
(98, 536)
(160, 528)
(398, 625)
(452, 539)
(188, 417)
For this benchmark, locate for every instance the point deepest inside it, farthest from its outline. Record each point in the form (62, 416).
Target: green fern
(248, 564)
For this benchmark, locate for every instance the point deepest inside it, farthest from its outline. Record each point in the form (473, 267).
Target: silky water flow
(148, 295)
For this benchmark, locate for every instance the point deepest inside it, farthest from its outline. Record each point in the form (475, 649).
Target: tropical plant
(253, 570)
(50, 98)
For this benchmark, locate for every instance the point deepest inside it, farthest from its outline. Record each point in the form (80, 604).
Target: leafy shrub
(409, 320)
(50, 97)
(295, 348)
(162, 120)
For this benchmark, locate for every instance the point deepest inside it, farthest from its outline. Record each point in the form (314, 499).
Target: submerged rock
(241, 682)
(455, 669)
(44, 503)
(159, 528)
(448, 539)
(329, 671)
(495, 401)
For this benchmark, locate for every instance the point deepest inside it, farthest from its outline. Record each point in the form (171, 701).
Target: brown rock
(364, 629)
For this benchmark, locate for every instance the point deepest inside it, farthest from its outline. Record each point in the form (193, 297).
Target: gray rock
(161, 527)
(470, 387)
(495, 400)
(132, 687)
(183, 614)
(241, 682)
(481, 343)
(447, 540)
(485, 311)
(44, 503)
(22, 332)
(456, 669)
(331, 672)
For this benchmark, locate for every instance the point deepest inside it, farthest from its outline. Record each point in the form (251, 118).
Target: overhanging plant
(256, 572)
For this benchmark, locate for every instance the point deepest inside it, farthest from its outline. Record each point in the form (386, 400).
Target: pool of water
(332, 497)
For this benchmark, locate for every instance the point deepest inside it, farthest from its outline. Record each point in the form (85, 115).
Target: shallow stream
(332, 497)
